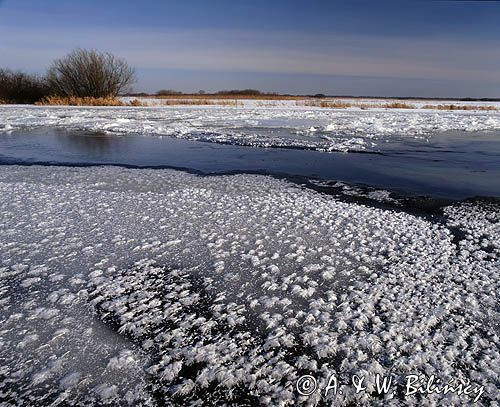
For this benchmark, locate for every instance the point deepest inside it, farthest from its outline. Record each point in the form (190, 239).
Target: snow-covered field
(294, 102)
(154, 287)
(250, 125)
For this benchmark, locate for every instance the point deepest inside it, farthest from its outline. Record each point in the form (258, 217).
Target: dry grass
(460, 107)
(338, 104)
(136, 102)
(324, 103)
(262, 101)
(80, 101)
(266, 103)
(398, 105)
(196, 102)
(89, 101)
(86, 101)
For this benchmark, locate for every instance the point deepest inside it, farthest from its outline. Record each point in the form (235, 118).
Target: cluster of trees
(18, 87)
(81, 73)
(231, 92)
(168, 92)
(246, 92)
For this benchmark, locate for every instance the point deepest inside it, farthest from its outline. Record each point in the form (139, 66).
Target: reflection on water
(94, 144)
(450, 165)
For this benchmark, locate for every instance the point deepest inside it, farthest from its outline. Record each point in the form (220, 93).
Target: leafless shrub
(89, 73)
(19, 87)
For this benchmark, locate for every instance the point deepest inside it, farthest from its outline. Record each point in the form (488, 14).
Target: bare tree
(89, 73)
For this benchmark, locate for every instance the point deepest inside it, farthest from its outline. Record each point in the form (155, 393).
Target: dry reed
(459, 107)
(338, 104)
(196, 102)
(86, 101)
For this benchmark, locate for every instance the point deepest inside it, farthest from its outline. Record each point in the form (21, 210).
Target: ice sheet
(119, 284)
(290, 126)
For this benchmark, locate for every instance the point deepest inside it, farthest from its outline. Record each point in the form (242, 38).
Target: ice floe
(289, 127)
(159, 287)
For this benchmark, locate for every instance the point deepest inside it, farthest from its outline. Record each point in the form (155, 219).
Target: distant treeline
(257, 93)
(464, 99)
(231, 92)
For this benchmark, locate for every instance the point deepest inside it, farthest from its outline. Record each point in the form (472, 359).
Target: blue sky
(401, 48)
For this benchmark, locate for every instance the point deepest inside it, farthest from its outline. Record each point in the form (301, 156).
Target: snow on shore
(232, 287)
(294, 102)
(290, 126)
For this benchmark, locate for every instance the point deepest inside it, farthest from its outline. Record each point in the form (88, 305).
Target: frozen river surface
(454, 164)
(159, 286)
(142, 286)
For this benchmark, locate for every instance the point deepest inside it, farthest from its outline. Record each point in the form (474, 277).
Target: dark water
(454, 165)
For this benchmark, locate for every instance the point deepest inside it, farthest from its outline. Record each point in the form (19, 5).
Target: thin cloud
(268, 51)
